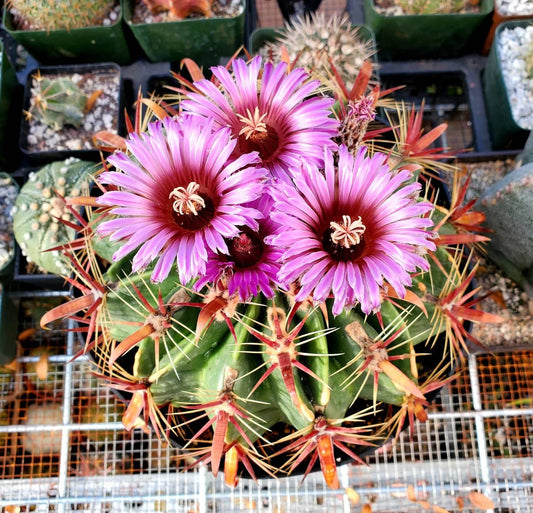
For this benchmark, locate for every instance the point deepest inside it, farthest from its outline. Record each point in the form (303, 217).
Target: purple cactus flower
(251, 266)
(180, 195)
(268, 110)
(349, 228)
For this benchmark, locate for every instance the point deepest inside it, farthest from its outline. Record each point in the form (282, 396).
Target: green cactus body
(58, 102)
(431, 6)
(268, 363)
(315, 40)
(59, 14)
(508, 207)
(40, 208)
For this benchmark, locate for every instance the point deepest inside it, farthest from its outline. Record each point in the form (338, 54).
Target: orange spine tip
(327, 461)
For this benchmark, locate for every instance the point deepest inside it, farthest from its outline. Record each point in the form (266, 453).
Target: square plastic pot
(89, 44)
(8, 327)
(205, 40)
(505, 132)
(9, 100)
(423, 36)
(41, 157)
(497, 19)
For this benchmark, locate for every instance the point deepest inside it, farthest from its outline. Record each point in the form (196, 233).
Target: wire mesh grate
(478, 438)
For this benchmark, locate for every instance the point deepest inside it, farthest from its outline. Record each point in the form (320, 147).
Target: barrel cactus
(259, 293)
(59, 14)
(41, 218)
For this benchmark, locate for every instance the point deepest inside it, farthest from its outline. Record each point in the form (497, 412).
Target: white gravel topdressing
(515, 7)
(513, 45)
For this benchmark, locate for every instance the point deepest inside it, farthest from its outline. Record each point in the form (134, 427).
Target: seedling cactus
(262, 293)
(432, 6)
(316, 41)
(57, 101)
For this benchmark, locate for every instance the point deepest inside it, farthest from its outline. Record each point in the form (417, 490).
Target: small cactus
(180, 9)
(315, 41)
(58, 14)
(40, 211)
(508, 207)
(431, 6)
(57, 101)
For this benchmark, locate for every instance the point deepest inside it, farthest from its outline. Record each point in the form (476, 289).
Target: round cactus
(316, 41)
(59, 14)
(57, 102)
(271, 297)
(41, 217)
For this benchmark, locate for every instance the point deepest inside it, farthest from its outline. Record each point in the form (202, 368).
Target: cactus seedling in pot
(57, 101)
(266, 294)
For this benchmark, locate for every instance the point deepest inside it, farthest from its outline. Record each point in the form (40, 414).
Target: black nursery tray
(453, 94)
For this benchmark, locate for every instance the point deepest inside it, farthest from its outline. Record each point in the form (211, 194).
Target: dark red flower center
(191, 209)
(257, 135)
(266, 143)
(246, 248)
(343, 239)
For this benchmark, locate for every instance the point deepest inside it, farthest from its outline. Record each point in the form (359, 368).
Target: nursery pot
(42, 155)
(87, 44)
(8, 327)
(9, 189)
(497, 18)
(422, 36)
(8, 102)
(204, 40)
(504, 130)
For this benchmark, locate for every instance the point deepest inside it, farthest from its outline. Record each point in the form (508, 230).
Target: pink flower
(269, 112)
(180, 195)
(349, 228)
(251, 265)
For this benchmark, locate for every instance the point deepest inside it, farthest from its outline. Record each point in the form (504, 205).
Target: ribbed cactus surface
(268, 297)
(59, 14)
(57, 101)
(41, 217)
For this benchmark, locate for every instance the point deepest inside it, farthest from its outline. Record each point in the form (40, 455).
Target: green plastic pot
(89, 44)
(8, 102)
(8, 327)
(205, 40)
(423, 36)
(6, 269)
(505, 133)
